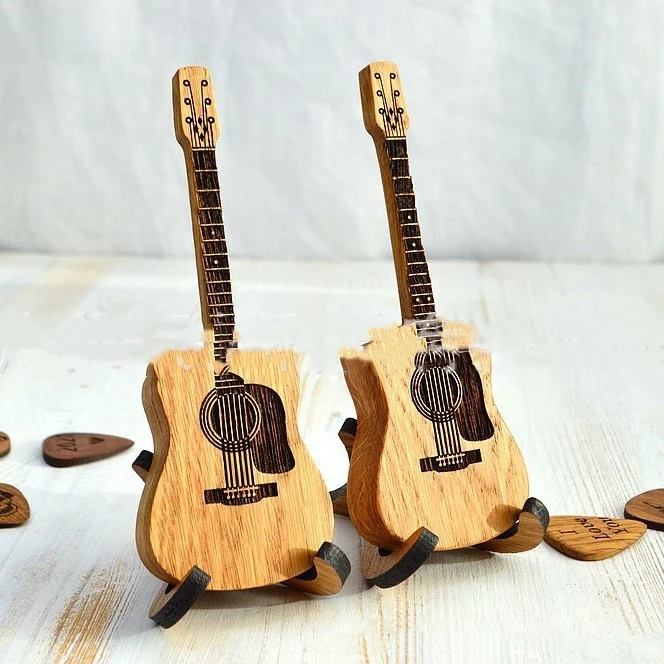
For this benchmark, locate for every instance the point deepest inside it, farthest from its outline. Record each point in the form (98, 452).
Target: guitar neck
(197, 130)
(410, 263)
(386, 119)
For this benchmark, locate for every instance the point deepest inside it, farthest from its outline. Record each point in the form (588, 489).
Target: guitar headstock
(194, 110)
(383, 105)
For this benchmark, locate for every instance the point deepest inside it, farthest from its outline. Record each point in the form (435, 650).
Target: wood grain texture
(647, 507)
(374, 123)
(172, 602)
(5, 444)
(386, 569)
(592, 537)
(72, 449)
(327, 575)
(74, 591)
(525, 535)
(187, 104)
(14, 508)
(142, 464)
(248, 515)
(409, 469)
(389, 497)
(241, 546)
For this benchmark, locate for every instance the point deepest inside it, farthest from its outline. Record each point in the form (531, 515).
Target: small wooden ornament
(72, 449)
(5, 444)
(14, 508)
(592, 537)
(647, 507)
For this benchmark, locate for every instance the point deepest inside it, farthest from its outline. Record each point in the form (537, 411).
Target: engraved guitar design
(431, 447)
(232, 489)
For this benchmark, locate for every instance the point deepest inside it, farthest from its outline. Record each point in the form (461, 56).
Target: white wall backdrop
(537, 126)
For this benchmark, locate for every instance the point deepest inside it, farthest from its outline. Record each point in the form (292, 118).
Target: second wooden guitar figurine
(432, 466)
(232, 497)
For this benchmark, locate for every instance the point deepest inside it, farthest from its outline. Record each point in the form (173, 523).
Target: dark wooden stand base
(389, 568)
(326, 576)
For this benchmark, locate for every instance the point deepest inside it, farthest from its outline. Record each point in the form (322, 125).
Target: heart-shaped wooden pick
(647, 507)
(5, 444)
(592, 537)
(14, 508)
(72, 449)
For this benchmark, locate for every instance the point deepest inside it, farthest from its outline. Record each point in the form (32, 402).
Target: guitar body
(186, 517)
(397, 482)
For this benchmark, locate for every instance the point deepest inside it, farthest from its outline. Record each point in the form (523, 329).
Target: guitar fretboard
(213, 251)
(419, 305)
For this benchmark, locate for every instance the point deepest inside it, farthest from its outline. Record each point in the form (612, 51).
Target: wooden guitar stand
(384, 568)
(328, 572)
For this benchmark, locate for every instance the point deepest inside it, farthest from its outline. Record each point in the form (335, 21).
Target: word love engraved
(592, 537)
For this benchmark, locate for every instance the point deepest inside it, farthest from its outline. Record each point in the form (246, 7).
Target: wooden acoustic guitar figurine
(433, 466)
(232, 497)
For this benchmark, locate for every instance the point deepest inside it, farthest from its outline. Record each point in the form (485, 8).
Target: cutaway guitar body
(390, 495)
(206, 503)
(431, 449)
(232, 498)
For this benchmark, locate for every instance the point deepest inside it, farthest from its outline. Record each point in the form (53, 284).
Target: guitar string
(427, 384)
(237, 479)
(434, 405)
(449, 424)
(454, 429)
(231, 475)
(246, 451)
(440, 405)
(223, 451)
(240, 425)
(449, 429)
(226, 453)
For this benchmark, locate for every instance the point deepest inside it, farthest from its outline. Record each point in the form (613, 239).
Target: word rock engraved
(647, 507)
(592, 537)
(72, 449)
(14, 508)
(5, 444)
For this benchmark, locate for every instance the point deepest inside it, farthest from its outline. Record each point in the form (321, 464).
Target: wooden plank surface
(578, 375)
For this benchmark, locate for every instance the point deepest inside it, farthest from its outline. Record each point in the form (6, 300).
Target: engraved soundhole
(436, 392)
(230, 420)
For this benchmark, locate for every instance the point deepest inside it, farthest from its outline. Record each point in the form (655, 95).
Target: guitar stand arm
(525, 534)
(347, 437)
(142, 464)
(174, 601)
(327, 575)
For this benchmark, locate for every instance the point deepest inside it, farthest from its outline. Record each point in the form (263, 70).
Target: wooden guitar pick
(14, 508)
(72, 449)
(592, 537)
(647, 507)
(5, 444)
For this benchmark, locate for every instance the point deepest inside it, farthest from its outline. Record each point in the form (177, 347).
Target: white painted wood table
(579, 376)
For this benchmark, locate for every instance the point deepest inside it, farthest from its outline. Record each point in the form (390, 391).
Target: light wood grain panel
(242, 546)
(389, 497)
